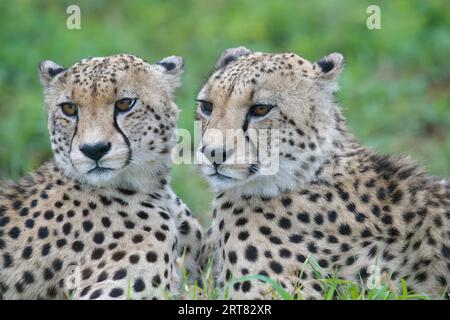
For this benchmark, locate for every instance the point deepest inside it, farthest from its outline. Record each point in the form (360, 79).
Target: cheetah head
(111, 119)
(284, 96)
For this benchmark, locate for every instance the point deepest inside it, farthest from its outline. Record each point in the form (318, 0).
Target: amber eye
(125, 104)
(206, 107)
(259, 110)
(69, 109)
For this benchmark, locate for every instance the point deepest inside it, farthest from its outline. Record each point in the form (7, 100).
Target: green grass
(334, 288)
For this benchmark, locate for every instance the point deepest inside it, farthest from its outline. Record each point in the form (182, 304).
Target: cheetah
(100, 220)
(330, 201)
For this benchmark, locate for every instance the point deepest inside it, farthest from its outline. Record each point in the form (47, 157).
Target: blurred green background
(395, 89)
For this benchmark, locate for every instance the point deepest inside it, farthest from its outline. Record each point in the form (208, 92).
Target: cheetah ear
(231, 55)
(173, 67)
(48, 70)
(329, 67)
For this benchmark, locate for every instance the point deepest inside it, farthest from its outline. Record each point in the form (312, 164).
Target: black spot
(105, 201)
(27, 252)
(134, 259)
(350, 260)
(345, 247)
(116, 292)
(96, 294)
(226, 205)
(312, 247)
(332, 239)
(345, 229)
(118, 255)
(7, 260)
(164, 215)
(332, 216)
(67, 228)
(129, 224)
(286, 202)
(275, 240)
(77, 246)
(387, 219)
(102, 277)
(61, 243)
(4, 221)
(118, 234)
(120, 274)
(276, 267)
(106, 222)
(251, 253)
(323, 263)
(14, 232)
(43, 232)
(48, 274)
(318, 219)
(366, 233)
(232, 256)
(87, 226)
(139, 285)
(46, 249)
(241, 222)
(99, 238)
(285, 253)
(97, 253)
(243, 235)
(421, 277)
(445, 251)
(295, 238)
(303, 217)
(57, 264)
(284, 223)
(151, 257)
(246, 286)
(28, 277)
(137, 238)
(265, 230)
(49, 214)
(143, 215)
(160, 236)
(86, 273)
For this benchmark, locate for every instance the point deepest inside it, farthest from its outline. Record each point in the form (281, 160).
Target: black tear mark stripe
(246, 122)
(116, 125)
(71, 141)
(53, 125)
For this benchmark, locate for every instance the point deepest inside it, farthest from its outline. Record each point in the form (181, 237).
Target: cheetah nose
(95, 151)
(217, 155)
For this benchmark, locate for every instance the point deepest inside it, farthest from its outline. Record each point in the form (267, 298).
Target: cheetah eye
(125, 104)
(206, 107)
(259, 110)
(69, 109)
